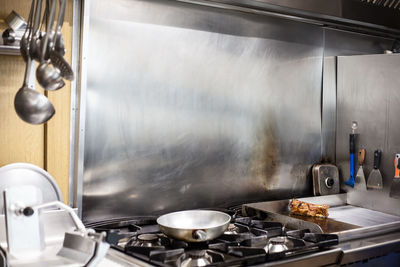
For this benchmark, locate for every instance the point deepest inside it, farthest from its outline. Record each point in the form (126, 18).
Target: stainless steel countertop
(375, 233)
(115, 258)
(367, 248)
(372, 241)
(346, 252)
(321, 258)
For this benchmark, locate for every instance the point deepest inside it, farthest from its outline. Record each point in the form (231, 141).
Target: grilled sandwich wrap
(307, 209)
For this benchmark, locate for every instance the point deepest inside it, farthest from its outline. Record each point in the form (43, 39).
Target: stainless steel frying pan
(194, 225)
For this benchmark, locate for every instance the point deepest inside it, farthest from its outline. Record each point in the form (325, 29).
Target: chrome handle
(199, 235)
(28, 211)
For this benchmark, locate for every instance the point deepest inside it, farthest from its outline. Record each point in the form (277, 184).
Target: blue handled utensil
(350, 182)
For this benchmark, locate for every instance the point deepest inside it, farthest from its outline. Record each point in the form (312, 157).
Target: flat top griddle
(360, 216)
(328, 225)
(348, 221)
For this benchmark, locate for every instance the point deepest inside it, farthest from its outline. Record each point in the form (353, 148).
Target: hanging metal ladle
(58, 51)
(30, 105)
(48, 76)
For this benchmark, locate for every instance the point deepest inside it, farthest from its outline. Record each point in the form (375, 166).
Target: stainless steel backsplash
(191, 106)
(368, 92)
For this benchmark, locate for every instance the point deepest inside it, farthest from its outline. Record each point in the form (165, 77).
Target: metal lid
(17, 174)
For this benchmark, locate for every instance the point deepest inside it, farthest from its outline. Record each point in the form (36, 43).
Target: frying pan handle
(199, 235)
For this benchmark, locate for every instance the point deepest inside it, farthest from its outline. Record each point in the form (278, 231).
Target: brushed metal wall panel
(341, 43)
(328, 126)
(368, 92)
(345, 43)
(191, 107)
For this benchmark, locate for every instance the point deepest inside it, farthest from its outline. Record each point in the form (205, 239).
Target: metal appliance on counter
(365, 229)
(23, 174)
(347, 220)
(29, 241)
(246, 241)
(33, 232)
(325, 179)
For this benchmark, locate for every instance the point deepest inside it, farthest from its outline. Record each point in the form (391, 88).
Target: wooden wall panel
(58, 128)
(44, 145)
(19, 141)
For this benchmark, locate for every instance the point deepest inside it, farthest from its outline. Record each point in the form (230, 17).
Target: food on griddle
(303, 208)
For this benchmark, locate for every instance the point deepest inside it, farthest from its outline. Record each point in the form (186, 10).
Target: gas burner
(283, 243)
(204, 257)
(277, 244)
(146, 240)
(235, 238)
(247, 241)
(232, 230)
(237, 229)
(196, 258)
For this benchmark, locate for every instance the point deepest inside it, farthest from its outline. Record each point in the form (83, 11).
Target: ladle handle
(38, 13)
(29, 19)
(49, 27)
(61, 15)
(27, 71)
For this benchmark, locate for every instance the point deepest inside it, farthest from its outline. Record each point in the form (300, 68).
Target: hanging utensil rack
(12, 50)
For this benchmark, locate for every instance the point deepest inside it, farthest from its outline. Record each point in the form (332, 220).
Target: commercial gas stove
(247, 241)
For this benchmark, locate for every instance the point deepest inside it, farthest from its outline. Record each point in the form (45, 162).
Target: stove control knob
(329, 182)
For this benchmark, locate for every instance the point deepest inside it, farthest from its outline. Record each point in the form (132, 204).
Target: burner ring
(147, 237)
(195, 258)
(196, 254)
(278, 240)
(145, 240)
(277, 244)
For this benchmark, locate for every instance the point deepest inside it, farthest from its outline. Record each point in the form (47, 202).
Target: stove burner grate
(247, 241)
